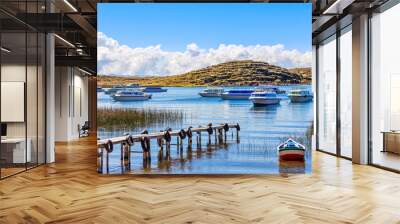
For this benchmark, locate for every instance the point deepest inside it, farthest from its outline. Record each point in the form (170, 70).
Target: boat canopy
(130, 93)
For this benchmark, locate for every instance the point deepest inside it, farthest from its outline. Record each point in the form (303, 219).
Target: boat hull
(210, 94)
(292, 154)
(300, 99)
(154, 90)
(264, 101)
(131, 98)
(110, 91)
(235, 97)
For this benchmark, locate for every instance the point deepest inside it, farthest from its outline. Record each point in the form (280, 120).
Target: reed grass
(131, 118)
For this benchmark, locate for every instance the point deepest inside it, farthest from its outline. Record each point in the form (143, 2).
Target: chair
(84, 130)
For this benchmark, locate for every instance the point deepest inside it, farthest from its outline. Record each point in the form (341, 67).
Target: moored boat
(212, 92)
(114, 89)
(300, 96)
(270, 88)
(237, 94)
(291, 150)
(133, 85)
(153, 89)
(130, 95)
(264, 98)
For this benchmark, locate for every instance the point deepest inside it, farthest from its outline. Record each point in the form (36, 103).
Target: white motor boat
(237, 94)
(114, 89)
(270, 88)
(131, 95)
(300, 96)
(133, 86)
(264, 98)
(212, 92)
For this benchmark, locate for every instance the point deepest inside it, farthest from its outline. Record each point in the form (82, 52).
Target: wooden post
(199, 140)
(107, 163)
(144, 153)
(168, 150)
(149, 152)
(225, 136)
(100, 160)
(237, 135)
(160, 142)
(160, 155)
(220, 138)
(122, 157)
(189, 142)
(126, 158)
(129, 156)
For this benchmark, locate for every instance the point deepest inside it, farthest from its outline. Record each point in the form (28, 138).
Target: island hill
(234, 73)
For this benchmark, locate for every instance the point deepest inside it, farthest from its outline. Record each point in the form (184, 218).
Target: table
(13, 150)
(391, 141)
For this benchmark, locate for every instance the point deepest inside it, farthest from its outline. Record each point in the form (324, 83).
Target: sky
(169, 39)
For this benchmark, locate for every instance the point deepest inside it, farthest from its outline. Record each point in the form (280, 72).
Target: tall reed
(130, 118)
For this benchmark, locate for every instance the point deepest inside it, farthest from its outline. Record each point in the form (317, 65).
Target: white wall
(33, 126)
(71, 102)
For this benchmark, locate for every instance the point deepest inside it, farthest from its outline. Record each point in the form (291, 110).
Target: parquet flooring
(70, 191)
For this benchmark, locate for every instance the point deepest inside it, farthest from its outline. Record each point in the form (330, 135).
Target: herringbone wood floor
(70, 191)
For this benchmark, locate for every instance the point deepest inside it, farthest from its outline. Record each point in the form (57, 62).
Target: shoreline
(109, 85)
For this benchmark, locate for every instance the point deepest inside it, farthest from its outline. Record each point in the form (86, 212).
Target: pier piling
(162, 137)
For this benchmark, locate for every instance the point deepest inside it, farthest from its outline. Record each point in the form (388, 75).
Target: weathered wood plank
(138, 137)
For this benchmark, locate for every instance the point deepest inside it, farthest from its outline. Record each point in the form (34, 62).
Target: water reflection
(292, 166)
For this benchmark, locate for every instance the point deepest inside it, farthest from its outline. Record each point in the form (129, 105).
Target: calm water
(262, 129)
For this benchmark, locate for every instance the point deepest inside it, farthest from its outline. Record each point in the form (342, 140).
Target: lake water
(262, 129)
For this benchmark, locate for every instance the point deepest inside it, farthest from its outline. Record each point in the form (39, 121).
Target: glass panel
(385, 83)
(346, 92)
(31, 98)
(41, 98)
(13, 86)
(23, 81)
(327, 95)
(32, 88)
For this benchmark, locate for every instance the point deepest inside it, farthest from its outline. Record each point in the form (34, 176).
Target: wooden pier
(164, 138)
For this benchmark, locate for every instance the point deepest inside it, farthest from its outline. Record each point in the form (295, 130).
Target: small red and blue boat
(291, 150)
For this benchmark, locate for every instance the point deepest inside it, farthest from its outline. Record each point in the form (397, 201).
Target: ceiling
(74, 22)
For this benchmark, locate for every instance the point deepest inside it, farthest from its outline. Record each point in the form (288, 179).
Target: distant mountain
(233, 73)
(304, 72)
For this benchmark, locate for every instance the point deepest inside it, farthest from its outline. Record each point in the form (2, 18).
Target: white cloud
(117, 59)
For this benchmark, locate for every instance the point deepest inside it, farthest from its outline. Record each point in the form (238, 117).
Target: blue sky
(167, 39)
(176, 25)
